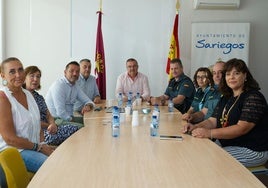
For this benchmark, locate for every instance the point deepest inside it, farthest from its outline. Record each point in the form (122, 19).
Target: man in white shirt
(133, 81)
(64, 92)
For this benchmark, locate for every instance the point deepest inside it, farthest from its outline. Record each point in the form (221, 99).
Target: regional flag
(100, 70)
(174, 51)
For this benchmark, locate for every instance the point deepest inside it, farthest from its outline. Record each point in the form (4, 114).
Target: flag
(100, 70)
(174, 51)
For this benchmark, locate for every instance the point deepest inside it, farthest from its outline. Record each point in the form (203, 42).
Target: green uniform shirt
(183, 86)
(212, 102)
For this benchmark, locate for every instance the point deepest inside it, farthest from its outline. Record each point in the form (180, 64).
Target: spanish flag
(100, 70)
(174, 51)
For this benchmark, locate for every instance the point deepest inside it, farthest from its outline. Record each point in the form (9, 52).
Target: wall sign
(213, 41)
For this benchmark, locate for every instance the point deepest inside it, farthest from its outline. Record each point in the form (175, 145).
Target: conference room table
(93, 158)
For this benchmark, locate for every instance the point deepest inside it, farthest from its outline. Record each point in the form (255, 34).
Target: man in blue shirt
(64, 92)
(180, 89)
(87, 84)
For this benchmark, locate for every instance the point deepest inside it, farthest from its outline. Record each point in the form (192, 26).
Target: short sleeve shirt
(182, 86)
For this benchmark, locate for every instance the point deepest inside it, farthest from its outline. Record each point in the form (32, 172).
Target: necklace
(225, 113)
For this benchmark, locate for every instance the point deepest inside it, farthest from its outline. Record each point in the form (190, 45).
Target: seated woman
(203, 80)
(19, 117)
(54, 133)
(239, 122)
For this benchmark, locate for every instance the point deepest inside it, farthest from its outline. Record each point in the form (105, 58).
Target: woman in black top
(239, 122)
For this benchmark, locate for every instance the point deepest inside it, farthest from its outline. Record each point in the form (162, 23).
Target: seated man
(180, 89)
(63, 93)
(213, 100)
(87, 84)
(133, 81)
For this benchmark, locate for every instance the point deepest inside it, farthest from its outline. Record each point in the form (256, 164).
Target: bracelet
(35, 147)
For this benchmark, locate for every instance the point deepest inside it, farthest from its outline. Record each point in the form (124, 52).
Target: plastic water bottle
(170, 105)
(154, 126)
(116, 111)
(129, 106)
(138, 95)
(120, 100)
(156, 112)
(138, 99)
(129, 101)
(129, 96)
(115, 126)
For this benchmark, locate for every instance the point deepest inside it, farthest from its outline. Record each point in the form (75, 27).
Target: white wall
(38, 33)
(1, 28)
(139, 29)
(50, 33)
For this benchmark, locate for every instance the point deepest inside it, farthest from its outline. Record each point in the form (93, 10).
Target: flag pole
(100, 5)
(177, 6)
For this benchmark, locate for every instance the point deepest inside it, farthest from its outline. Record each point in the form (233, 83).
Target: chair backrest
(14, 168)
(3, 181)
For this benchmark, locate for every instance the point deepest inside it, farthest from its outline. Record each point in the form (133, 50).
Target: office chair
(14, 168)
(3, 182)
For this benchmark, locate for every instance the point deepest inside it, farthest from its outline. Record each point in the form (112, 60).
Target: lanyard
(201, 104)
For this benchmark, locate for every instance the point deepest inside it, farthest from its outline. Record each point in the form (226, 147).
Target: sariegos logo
(227, 47)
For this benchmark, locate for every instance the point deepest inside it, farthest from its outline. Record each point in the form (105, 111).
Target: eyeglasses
(201, 77)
